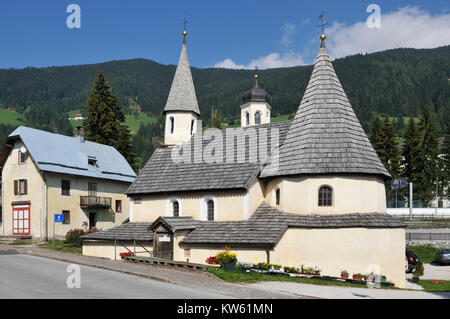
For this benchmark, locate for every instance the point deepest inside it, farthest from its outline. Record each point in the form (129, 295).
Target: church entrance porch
(163, 244)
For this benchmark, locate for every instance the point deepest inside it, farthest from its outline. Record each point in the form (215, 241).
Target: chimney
(79, 132)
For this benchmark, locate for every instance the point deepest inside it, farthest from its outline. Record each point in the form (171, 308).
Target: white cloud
(288, 31)
(270, 61)
(408, 27)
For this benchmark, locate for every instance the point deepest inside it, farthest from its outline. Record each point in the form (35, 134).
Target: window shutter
(16, 184)
(26, 187)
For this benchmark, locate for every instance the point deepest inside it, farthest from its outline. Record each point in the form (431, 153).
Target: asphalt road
(25, 276)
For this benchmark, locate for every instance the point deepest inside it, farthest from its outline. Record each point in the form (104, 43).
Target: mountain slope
(396, 82)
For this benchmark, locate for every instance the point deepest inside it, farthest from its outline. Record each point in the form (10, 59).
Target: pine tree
(445, 172)
(428, 158)
(411, 150)
(376, 137)
(104, 119)
(392, 160)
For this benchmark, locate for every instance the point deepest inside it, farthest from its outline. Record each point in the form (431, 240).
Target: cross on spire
(323, 24)
(185, 21)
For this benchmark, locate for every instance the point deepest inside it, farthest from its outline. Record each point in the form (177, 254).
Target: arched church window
(176, 209)
(192, 126)
(172, 124)
(325, 196)
(210, 207)
(247, 118)
(257, 117)
(277, 196)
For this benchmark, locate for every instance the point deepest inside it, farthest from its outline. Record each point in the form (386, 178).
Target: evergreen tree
(411, 150)
(376, 136)
(391, 151)
(428, 158)
(104, 118)
(444, 188)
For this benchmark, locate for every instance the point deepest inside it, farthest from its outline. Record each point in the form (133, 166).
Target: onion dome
(256, 94)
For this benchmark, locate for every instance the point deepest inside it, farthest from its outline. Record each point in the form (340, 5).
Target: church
(307, 191)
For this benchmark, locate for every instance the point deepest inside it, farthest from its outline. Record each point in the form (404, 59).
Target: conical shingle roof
(182, 95)
(325, 136)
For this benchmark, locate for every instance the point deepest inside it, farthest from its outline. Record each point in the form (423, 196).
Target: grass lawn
(11, 118)
(252, 277)
(20, 243)
(425, 253)
(435, 285)
(130, 120)
(61, 245)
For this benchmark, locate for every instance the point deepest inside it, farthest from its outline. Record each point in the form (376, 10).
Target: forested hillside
(396, 82)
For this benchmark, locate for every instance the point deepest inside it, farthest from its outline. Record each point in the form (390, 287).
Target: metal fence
(427, 236)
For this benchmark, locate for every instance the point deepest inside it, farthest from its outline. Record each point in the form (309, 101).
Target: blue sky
(221, 33)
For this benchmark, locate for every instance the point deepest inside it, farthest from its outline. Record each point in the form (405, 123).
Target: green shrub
(419, 270)
(73, 236)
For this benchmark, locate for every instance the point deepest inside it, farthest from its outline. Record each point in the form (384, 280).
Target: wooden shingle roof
(325, 136)
(267, 225)
(127, 231)
(161, 174)
(182, 95)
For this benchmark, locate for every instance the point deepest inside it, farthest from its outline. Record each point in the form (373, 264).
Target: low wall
(106, 249)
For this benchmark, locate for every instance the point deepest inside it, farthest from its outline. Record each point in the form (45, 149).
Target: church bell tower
(181, 108)
(255, 108)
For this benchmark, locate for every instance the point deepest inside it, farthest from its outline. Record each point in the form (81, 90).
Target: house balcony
(95, 202)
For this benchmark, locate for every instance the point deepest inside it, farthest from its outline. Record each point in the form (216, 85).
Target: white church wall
(351, 194)
(229, 205)
(182, 127)
(334, 250)
(251, 108)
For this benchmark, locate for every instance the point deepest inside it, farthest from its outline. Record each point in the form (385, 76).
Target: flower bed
(126, 254)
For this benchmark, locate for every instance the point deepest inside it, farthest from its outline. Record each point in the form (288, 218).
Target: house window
(21, 158)
(20, 187)
(247, 118)
(176, 209)
(257, 117)
(277, 196)
(118, 206)
(172, 124)
(210, 209)
(92, 161)
(65, 187)
(92, 189)
(66, 217)
(325, 196)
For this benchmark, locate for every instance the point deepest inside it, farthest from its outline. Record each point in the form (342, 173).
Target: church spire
(325, 136)
(182, 95)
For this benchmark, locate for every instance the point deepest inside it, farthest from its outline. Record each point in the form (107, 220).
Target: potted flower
(277, 267)
(358, 276)
(344, 274)
(227, 259)
(126, 254)
(417, 272)
(316, 271)
(212, 260)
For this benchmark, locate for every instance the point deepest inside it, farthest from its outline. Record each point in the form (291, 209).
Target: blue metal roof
(69, 155)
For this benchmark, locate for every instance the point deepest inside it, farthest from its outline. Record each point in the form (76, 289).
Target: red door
(21, 220)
